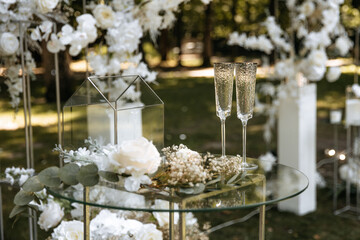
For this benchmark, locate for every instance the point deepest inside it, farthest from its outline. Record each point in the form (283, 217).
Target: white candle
(335, 116)
(353, 112)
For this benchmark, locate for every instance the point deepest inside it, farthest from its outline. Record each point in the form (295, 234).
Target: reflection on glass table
(268, 184)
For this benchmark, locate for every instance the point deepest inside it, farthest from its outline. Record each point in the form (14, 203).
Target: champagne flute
(245, 79)
(224, 81)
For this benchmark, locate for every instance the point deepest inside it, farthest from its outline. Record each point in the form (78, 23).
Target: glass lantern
(113, 109)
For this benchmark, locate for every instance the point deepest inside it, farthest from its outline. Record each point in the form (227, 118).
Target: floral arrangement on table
(132, 165)
(313, 28)
(117, 25)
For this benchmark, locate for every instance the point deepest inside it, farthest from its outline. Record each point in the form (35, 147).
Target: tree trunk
(48, 63)
(163, 44)
(207, 53)
(178, 30)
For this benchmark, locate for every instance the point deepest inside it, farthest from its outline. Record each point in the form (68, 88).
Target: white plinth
(297, 145)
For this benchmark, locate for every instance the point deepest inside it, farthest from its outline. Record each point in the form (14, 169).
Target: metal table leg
(262, 222)
(86, 215)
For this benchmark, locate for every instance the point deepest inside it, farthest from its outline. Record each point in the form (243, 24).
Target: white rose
(333, 74)
(54, 45)
(343, 44)
(138, 156)
(72, 230)
(9, 44)
(66, 35)
(104, 16)
(317, 57)
(35, 34)
(163, 217)
(86, 19)
(46, 6)
(149, 232)
(51, 215)
(307, 8)
(315, 72)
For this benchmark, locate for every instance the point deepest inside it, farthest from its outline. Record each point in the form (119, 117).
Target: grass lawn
(190, 119)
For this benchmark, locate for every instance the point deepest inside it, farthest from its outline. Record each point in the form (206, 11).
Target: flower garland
(314, 27)
(117, 25)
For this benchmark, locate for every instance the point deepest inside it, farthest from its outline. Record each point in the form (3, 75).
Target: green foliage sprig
(53, 177)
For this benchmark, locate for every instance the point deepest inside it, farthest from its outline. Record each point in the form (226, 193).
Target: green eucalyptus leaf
(110, 176)
(199, 188)
(88, 175)
(214, 181)
(33, 184)
(50, 177)
(22, 198)
(16, 210)
(186, 190)
(233, 178)
(68, 173)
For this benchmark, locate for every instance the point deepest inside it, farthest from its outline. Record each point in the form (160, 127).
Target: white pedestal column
(297, 145)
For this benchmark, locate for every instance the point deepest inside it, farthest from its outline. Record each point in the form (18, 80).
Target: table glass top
(270, 183)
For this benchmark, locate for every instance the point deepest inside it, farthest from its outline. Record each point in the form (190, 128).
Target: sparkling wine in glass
(224, 81)
(245, 79)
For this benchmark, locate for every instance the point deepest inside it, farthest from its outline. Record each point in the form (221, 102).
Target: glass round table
(268, 184)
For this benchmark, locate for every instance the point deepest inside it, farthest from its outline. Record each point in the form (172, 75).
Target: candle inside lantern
(335, 116)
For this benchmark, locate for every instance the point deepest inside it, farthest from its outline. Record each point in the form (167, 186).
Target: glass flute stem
(244, 123)
(223, 137)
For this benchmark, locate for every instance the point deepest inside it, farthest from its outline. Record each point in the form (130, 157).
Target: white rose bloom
(46, 28)
(54, 45)
(315, 40)
(163, 217)
(307, 8)
(66, 34)
(314, 72)
(9, 44)
(330, 19)
(104, 16)
(86, 19)
(35, 34)
(149, 232)
(51, 215)
(46, 6)
(317, 57)
(68, 230)
(343, 44)
(333, 74)
(138, 156)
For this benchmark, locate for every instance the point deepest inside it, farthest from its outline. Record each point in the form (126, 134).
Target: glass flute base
(248, 166)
